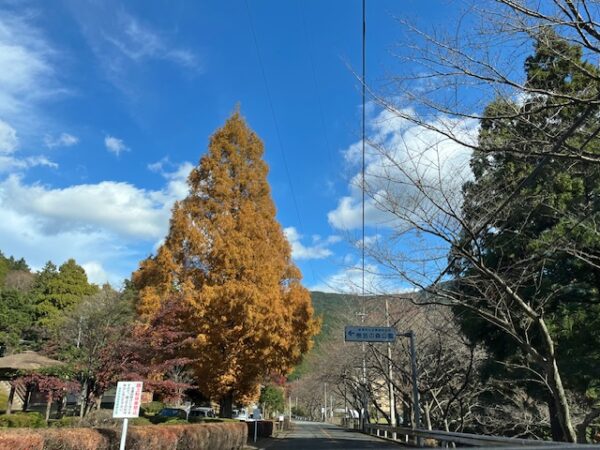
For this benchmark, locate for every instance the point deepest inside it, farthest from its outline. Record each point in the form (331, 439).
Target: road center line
(326, 433)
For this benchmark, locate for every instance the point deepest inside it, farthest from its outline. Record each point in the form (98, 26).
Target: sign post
(256, 415)
(127, 404)
(369, 334)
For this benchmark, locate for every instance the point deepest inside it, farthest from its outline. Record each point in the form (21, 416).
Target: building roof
(27, 360)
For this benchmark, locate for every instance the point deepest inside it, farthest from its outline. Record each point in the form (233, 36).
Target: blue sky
(105, 106)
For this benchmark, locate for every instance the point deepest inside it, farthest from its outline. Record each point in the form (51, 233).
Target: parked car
(240, 414)
(201, 411)
(167, 414)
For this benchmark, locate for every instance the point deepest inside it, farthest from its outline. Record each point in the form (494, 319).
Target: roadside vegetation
(217, 312)
(486, 170)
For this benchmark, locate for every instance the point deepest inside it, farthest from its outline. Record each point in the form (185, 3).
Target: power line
(364, 80)
(310, 46)
(276, 123)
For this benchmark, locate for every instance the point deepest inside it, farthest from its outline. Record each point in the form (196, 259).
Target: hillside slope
(335, 311)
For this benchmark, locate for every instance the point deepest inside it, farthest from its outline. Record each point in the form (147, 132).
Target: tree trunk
(26, 399)
(555, 429)
(582, 427)
(556, 387)
(226, 405)
(61, 406)
(427, 411)
(99, 401)
(48, 406)
(11, 399)
(84, 395)
(406, 411)
(563, 414)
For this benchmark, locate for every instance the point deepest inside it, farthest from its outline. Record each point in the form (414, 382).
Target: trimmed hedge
(212, 436)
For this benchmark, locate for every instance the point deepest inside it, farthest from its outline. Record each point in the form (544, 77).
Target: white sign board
(128, 399)
(369, 334)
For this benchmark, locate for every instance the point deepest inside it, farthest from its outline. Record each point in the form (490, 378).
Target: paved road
(322, 436)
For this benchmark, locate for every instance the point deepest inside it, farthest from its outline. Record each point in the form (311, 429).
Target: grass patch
(3, 401)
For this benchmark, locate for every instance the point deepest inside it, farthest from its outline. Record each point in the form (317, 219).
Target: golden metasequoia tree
(227, 257)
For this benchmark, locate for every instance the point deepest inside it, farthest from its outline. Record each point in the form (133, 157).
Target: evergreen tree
(539, 240)
(271, 399)
(11, 264)
(227, 256)
(16, 318)
(58, 291)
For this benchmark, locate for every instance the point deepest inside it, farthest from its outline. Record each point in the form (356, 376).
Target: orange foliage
(228, 257)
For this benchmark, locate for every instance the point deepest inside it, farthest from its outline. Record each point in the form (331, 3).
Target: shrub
(99, 418)
(140, 421)
(21, 440)
(22, 420)
(79, 439)
(211, 420)
(65, 422)
(215, 436)
(167, 420)
(73, 422)
(152, 408)
(175, 421)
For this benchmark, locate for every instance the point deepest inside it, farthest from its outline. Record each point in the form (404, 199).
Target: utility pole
(345, 401)
(392, 398)
(325, 402)
(413, 361)
(364, 393)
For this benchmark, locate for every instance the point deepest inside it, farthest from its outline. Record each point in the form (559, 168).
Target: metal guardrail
(444, 439)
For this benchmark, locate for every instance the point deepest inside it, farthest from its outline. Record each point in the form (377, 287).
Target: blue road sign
(369, 334)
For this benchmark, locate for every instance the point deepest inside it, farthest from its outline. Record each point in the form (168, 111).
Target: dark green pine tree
(58, 291)
(545, 242)
(10, 264)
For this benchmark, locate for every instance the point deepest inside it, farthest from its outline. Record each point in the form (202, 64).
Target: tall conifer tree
(226, 255)
(533, 243)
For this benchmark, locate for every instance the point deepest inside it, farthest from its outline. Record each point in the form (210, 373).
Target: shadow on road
(340, 439)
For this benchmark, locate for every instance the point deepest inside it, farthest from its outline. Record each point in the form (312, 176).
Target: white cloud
(9, 143)
(349, 281)
(96, 273)
(403, 157)
(117, 207)
(8, 138)
(124, 44)
(63, 140)
(115, 145)
(176, 175)
(103, 225)
(28, 77)
(137, 41)
(32, 161)
(318, 250)
(348, 214)
(10, 164)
